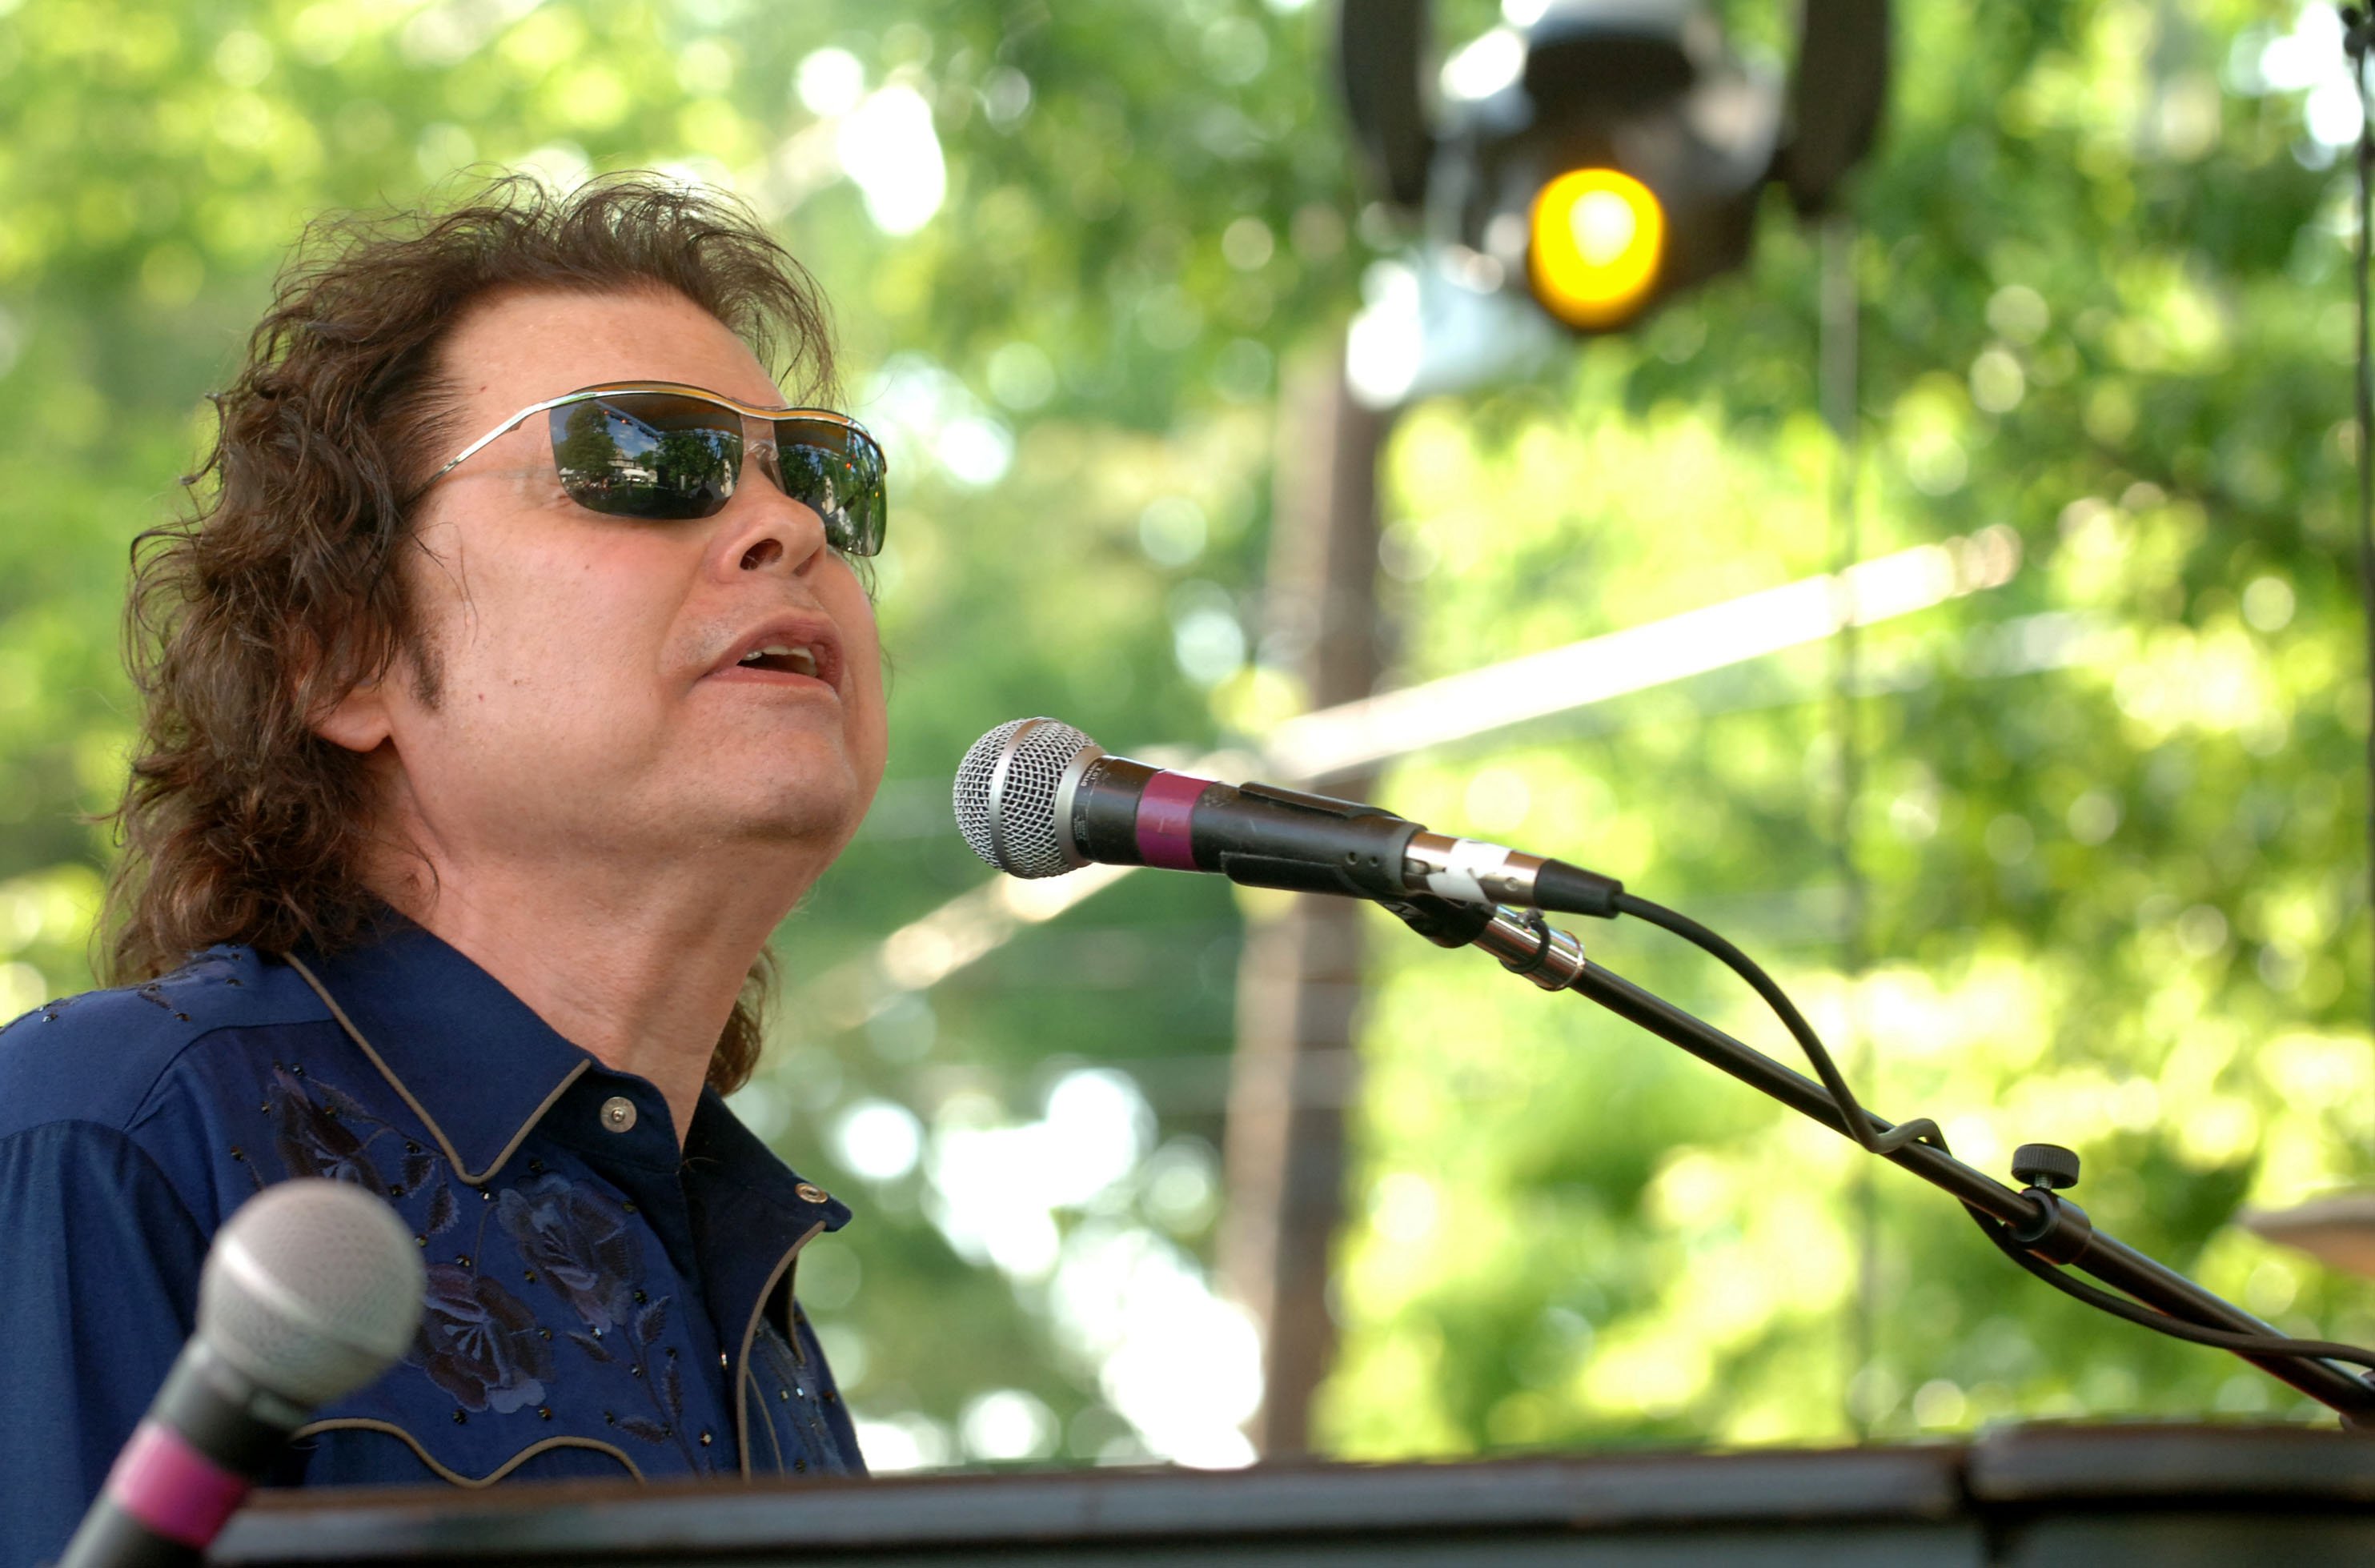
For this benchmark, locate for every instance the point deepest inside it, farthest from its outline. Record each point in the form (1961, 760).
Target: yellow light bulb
(1598, 236)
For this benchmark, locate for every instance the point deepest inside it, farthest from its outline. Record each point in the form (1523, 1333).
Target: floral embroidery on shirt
(579, 1243)
(478, 1342)
(582, 1245)
(320, 1130)
(314, 1142)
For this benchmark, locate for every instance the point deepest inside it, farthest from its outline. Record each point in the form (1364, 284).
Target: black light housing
(1615, 151)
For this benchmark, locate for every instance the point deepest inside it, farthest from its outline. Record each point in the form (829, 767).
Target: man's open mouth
(787, 658)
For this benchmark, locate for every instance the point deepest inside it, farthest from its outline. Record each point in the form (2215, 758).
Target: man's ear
(359, 720)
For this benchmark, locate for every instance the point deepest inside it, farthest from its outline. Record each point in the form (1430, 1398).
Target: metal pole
(1299, 981)
(1839, 355)
(2355, 39)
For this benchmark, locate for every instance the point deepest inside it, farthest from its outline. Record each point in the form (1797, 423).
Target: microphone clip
(1524, 942)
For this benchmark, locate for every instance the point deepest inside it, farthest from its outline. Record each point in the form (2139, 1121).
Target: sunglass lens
(837, 472)
(648, 454)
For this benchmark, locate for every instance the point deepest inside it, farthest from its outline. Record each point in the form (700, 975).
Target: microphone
(311, 1291)
(1035, 798)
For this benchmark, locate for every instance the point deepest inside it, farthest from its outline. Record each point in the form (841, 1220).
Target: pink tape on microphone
(171, 1487)
(1165, 804)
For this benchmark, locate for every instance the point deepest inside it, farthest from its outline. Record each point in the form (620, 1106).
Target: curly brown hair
(279, 594)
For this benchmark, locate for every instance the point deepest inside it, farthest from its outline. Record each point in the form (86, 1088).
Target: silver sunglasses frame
(675, 388)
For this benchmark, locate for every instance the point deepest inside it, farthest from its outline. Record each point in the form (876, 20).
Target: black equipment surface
(2035, 1497)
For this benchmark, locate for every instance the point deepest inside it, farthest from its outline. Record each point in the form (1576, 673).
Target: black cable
(1863, 1126)
(1859, 1123)
(2161, 1322)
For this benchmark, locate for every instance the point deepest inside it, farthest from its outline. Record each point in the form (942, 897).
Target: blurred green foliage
(2113, 812)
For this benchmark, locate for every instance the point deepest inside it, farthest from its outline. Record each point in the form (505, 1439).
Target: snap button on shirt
(619, 1114)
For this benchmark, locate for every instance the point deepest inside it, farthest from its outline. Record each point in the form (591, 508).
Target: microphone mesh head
(1015, 829)
(313, 1289)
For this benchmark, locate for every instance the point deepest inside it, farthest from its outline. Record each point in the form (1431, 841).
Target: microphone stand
(2051, 1228)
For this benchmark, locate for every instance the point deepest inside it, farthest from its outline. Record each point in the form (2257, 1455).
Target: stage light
(1585, 161)
(1594, 246)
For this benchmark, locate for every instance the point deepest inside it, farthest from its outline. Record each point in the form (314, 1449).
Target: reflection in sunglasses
(672, 456)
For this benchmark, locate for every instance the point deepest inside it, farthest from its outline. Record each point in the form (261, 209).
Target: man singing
(513, 679)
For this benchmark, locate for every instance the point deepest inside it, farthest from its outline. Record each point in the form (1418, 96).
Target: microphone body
(208, 1435)
(1128, 813)
(1036, 798)
(311, 1291)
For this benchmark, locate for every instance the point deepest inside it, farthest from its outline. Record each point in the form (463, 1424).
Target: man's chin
(807, 799)
(825, 816)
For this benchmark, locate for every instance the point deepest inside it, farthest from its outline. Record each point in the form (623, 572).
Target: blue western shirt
(599, 1302)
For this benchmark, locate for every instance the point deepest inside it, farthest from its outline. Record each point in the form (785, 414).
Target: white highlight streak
(974, 924)
(1336, 740)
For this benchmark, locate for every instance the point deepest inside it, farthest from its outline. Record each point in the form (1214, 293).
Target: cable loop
(1861, 1126)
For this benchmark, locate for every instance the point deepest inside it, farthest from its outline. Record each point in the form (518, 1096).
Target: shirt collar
(473, 1061)
(720, 1152)
(752, 1216)
(480, 1070)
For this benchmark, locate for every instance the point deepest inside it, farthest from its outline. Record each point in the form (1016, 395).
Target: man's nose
(768, 530)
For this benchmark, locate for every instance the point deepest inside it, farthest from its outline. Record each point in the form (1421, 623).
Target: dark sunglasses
(669, 453)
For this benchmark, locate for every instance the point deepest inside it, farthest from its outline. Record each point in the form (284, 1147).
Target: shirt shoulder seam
(144, 1109)
(123, 1136)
